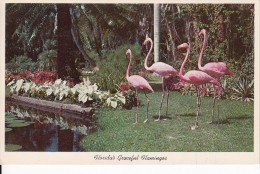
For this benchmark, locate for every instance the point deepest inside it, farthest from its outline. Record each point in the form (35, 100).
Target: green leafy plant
(112, 67)
(247, 68)
(243, 89)
(47, 60)
(186, 89)
(227, 84)
(20, 63)
(130, 99)
(61, 90)
(12, 147)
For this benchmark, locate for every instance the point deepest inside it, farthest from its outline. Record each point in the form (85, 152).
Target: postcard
(133, 82)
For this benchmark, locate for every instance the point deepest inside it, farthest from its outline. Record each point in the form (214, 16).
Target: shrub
(44, 76)
(47, 60)
(247, 69)
(36, 76)
(112, 67)
(21, 63)
(243, 89)
(130, 95)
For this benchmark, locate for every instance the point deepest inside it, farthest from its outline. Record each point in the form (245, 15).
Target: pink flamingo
(214, 69)
(163, 70)
(196, 78)
(137, 82)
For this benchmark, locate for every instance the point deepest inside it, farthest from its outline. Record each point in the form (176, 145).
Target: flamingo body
(198, 78)
(162, 69)
(139, 82)
(216, 69)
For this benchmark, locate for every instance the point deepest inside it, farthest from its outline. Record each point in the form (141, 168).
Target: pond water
(30, 129)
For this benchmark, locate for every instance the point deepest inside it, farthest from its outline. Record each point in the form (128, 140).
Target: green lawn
(117, 133)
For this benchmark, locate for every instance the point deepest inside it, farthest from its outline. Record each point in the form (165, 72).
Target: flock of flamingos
(209, 73)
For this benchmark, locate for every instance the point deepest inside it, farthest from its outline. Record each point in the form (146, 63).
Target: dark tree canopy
(80, 34)
(76, 31)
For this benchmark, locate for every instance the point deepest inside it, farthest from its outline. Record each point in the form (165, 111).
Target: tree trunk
(171, 39)
(79, 44)
(66, 67)
(187, 31)
(156, 32)
(221, 27)
(98, 40)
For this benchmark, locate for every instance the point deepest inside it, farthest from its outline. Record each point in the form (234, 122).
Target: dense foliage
(94, 37)
(230, 39)
(67, 34)
(112, 67)
(230, 34)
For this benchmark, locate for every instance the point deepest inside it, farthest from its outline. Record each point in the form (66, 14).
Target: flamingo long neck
(129, 65)
(201, 52)
(183, 64)
(147, 56)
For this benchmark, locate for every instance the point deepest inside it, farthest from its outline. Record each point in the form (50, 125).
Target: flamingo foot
(135, 122)
(145, 120)
(194, 127)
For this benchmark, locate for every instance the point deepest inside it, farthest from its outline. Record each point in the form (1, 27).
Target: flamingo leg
(168, 93)
(161, 100)
(219, 95)
(148, 101)
(213, 106)
(198, 102)
(137, 108)
(218, 107)
(198, 110)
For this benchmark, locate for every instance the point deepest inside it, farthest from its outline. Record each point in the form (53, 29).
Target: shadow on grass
(163, 117)
(191, 114)
(221, 121)
(241, 117)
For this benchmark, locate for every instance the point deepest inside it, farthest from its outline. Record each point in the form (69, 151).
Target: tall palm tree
(30, 20)
(119, 19)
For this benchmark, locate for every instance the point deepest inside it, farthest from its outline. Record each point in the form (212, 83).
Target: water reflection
(49, 132)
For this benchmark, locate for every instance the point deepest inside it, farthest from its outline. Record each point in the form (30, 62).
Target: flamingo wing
(163, 69)
(216, 69)
(139, 82)
(199, 77)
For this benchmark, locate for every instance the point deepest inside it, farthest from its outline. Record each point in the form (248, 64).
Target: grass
(117, 133)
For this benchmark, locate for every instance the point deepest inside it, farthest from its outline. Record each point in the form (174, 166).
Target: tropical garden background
(75, 53)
